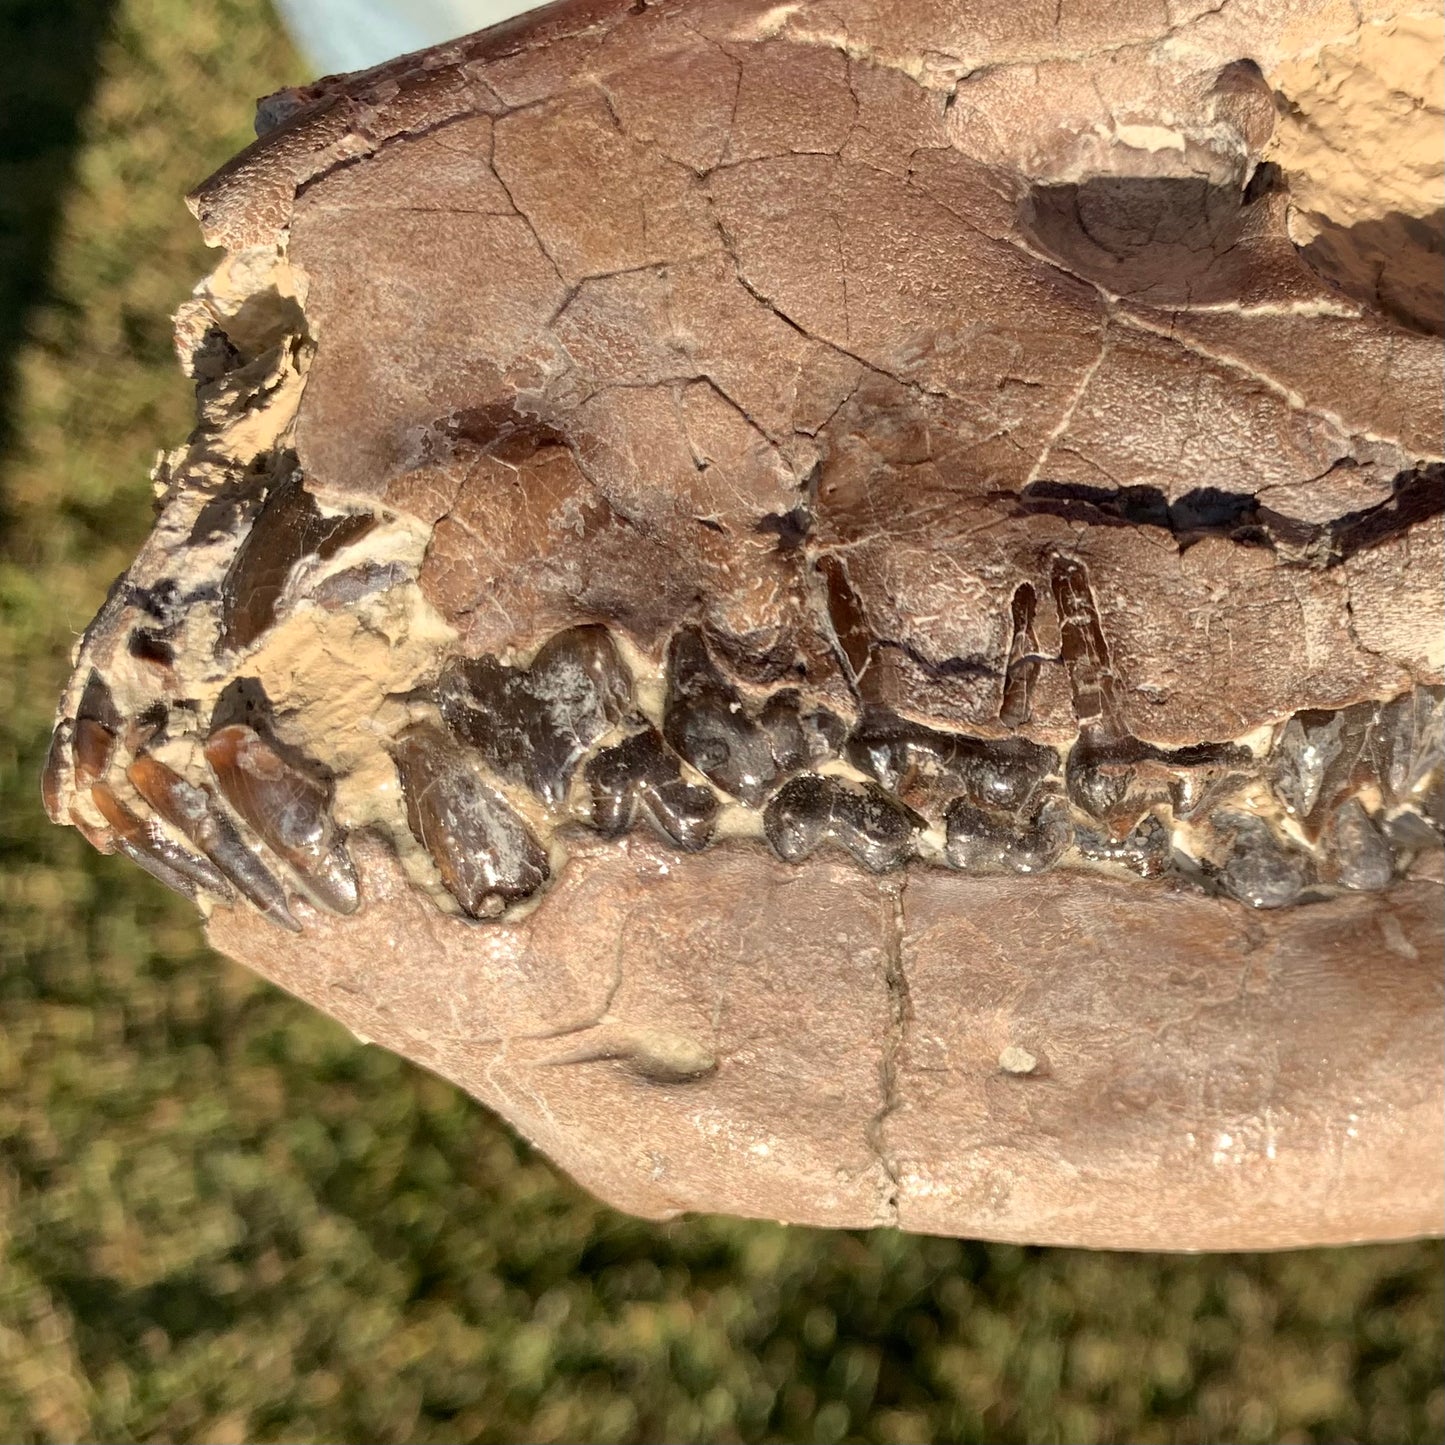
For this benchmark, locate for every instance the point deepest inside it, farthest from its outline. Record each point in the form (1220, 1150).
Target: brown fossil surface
(836, 608)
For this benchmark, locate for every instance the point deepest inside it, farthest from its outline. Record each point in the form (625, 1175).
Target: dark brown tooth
(98, 704)
(1085, 651)
(871, 824)
(927, 768)
(847, 619)
(288, 528)
(192, 811)
(1146, 850)
(92, 748)
(641, 774)
(874, 826)
(289, 809)
(797, 820)
(1261, 869)
(485, 853)
(707, 723)
(533, 725)
(1363, 857)
(89, 743)
(983, 842)
(791, 736)
(1116, 784)
(143, 843)
(1023, 660)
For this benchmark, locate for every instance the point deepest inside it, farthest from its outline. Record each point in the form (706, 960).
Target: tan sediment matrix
(825, 594)
(1360, 131)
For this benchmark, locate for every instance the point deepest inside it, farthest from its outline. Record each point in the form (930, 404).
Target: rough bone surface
(834, 608)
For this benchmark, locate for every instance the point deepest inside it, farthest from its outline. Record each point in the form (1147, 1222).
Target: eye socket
(1163, 240)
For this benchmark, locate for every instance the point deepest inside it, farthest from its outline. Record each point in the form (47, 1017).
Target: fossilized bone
(834, 607)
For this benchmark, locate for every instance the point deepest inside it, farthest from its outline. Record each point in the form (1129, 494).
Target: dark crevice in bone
(146, 644)
(900, 1014)
(1417, 495)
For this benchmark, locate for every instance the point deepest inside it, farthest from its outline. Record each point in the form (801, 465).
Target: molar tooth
(192, 811)
(1363, 856)
(289, 809)
(1261, 870)
(1145, 850)
(874, 826)
(798, 817)
(920, 763)
(641, 774)
(980, 842)
(485, 853)
(865, 820)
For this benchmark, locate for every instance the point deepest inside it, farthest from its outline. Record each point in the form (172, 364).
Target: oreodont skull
(836, 609)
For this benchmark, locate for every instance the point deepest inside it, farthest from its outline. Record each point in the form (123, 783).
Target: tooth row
(1344, 799)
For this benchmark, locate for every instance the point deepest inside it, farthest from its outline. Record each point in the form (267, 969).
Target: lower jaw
(1066, 1060)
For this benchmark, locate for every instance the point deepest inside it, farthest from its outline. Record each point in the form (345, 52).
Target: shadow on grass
(49, 63)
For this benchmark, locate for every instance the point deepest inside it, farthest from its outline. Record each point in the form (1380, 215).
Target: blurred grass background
(224, 1220)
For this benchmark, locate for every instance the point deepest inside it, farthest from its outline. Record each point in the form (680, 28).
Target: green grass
(224, 1220)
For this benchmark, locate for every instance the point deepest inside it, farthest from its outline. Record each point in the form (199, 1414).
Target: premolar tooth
(485, 853)
(289, 809)
(192, 811)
